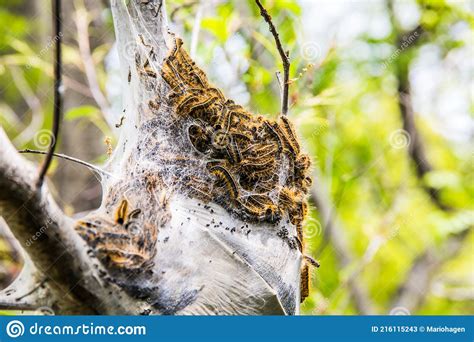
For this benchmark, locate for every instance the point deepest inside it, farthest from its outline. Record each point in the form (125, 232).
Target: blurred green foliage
(345, 107)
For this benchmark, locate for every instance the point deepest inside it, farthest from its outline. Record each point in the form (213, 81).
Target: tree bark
(192, 267)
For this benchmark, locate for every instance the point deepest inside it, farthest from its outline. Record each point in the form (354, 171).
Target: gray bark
(198, 268)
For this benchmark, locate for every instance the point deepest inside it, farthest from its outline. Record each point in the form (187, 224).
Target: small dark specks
(146, 312)
(227, 228)
(188, 218)
(165, 240)
(208, 225)
(210, 261)
(232, 230)
(212, 211)
(248, 232)
(182, 223)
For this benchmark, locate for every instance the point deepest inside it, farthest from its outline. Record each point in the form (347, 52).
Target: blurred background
(382, 98)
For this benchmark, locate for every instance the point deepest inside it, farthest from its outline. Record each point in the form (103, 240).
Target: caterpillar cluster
(257, 166)
(208, 148)
(124, 236)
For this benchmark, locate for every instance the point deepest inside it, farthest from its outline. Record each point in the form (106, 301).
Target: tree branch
(261, 271)
(82, 24)
(416, 147)
(413, 290)
(284, 57)
(29, 291)
(47, 235)
(58, 103)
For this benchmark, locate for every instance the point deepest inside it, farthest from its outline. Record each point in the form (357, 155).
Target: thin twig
(82, 24)
(412, 292)
(33, 102)
(75, 160)
(284, 57)
(181, 7)
(57, 92)
(33, 290)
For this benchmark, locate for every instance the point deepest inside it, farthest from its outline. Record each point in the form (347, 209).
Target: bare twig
(75, 160)
(284, 57)
(33, 103)
(416, 147)
(75, 278)
(413, 290)
(57, 92)
(82, 23)
(181, 7)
